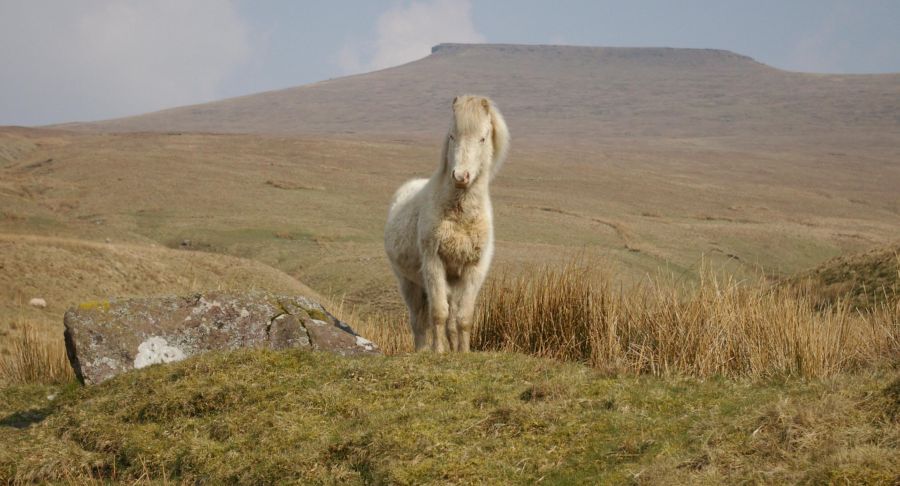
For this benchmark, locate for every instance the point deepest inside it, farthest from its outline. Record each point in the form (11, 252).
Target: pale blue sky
(93, 59)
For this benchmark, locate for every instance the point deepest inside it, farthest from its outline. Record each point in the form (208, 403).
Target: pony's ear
(486, 105)
(499, 136)
(455, 99)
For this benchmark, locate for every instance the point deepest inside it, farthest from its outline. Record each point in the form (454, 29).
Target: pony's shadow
(25, 418)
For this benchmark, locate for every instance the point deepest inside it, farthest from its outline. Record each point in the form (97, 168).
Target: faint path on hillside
(629, 239)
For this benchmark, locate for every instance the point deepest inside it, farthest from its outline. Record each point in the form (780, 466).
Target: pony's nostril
(466, 176)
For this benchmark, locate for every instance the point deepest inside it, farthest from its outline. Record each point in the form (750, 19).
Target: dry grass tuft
(387, 329)
(718, 327)
(33, 359)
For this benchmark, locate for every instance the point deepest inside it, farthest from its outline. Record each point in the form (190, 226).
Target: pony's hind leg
(417, 303)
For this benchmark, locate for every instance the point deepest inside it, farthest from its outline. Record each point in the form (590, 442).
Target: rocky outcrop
(106, 338)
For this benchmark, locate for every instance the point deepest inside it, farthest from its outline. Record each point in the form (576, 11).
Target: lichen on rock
(156, 350)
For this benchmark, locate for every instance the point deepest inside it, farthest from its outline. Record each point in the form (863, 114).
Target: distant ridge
(553, 93)
(621, 52)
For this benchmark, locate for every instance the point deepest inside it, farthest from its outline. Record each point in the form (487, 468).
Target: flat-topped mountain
(650, 55)
(554, 92)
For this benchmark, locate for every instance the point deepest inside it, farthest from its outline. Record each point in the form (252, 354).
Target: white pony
(439, 236)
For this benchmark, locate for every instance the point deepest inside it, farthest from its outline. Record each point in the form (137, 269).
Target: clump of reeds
(33, 359)
(717, 327)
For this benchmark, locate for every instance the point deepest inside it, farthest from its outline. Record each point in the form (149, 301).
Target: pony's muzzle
(461, 179)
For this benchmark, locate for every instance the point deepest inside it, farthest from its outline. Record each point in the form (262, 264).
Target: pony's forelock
(469, 114)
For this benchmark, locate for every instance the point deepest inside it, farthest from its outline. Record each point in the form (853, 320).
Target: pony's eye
(451, 137)
(482, 139)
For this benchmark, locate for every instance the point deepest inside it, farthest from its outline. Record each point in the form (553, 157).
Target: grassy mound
(865, 281)
(260, 417)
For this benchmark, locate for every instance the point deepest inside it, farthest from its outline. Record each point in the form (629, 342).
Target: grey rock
(105, 338)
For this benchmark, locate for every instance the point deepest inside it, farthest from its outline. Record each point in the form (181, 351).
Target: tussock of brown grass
(718, 327)
(33, 359)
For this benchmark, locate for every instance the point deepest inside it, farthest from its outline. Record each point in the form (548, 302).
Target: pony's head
(477, 142)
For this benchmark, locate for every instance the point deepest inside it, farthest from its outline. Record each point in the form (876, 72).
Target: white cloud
(408, 31)
(841, 42)
(104, 58)
(818, 50)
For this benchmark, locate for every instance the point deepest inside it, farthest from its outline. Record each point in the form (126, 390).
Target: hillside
(315, 207)
(557, 93)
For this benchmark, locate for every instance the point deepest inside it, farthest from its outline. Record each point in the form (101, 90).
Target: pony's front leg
(470, 284)
(436, 287)
(454, 294)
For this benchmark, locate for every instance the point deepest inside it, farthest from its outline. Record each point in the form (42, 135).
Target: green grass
(260, 417)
